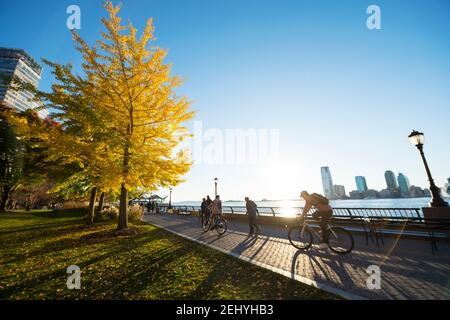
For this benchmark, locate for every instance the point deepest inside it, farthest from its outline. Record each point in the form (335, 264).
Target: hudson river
(373, 203)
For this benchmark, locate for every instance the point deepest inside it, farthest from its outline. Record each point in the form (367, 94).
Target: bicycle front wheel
(300, 237)
(221, 226)
(340, 240)
(206, 224)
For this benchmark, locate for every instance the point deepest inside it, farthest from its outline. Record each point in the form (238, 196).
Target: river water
(372, 203)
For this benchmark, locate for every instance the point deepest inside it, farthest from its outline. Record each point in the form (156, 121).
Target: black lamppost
(417, 139)
(170, 199)
(215, 185)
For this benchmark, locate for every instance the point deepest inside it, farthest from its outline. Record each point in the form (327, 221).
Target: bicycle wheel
(340, 240)
(300, 237)
(221, 226)
(206, 224)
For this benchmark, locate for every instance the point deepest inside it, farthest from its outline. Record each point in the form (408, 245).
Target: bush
(135, 213)
(74, 205)
(111, 213)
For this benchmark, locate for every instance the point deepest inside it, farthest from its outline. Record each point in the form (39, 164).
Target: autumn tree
(83, 147)
(133, 86)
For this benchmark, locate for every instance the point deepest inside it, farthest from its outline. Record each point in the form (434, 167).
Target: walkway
(408, 268)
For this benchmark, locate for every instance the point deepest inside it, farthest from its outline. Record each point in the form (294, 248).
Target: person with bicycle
(216, 209)
(322, 215)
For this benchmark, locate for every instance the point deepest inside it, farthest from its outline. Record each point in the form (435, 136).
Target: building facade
(403, 183)
(361, 184)
(391, 182)
(339, 191)
(327, 182)
(16, 62)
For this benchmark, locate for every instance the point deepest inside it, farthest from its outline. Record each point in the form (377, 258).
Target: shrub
(135, 213)
(110, 213)
(74, 204)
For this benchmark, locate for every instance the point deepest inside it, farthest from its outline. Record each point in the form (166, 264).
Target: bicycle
(220, 224)
(340, 240)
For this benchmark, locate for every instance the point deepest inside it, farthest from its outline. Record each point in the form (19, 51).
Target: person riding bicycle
(322, 215)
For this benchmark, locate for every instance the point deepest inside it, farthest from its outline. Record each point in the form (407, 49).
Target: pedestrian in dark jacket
(203, 210)
(251, 211)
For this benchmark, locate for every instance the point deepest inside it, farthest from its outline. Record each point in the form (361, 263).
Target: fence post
(273, 211)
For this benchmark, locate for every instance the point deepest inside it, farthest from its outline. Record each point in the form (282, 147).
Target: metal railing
(393, 214)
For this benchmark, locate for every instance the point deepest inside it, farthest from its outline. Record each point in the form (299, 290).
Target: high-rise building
(391, 182)
(16, 62)
(403, 183)
(327, 182)
(447, 188)
(361, 184)
(339, 191)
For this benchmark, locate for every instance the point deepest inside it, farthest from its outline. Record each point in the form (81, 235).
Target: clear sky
(340, 95)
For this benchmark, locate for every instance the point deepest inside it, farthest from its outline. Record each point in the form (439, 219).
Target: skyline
(373, 97)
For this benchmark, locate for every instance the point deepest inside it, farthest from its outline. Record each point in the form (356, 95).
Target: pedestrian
(216, 209)
(251, 211)
(149, 206)
(203, 211)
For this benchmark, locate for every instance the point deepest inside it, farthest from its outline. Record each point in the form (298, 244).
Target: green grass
(143, 263)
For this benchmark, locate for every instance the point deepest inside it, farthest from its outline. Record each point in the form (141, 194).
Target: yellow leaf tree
(133, 86)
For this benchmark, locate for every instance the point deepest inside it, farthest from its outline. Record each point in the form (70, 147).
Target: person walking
(203, 211)
(251, 212)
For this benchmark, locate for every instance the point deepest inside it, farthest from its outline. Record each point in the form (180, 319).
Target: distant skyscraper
(339, 191)
(391, 182)
(327, 182)
(403, 183)
(361, 184)
(18, 63)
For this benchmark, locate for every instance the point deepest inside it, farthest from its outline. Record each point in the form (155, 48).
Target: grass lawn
(143, 263)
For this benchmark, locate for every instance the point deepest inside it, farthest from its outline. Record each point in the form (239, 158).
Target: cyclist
(322, 215)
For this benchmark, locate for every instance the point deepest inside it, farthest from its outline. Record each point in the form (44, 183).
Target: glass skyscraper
(403, 183)
(327, 182)
(361, 184)
(16, 62)
(391, 182)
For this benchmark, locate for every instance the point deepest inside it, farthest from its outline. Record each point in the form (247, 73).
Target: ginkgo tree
(133, 86)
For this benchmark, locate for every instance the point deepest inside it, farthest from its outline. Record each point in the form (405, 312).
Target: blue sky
(340, 94)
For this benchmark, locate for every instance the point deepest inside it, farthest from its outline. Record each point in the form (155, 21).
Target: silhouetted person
(149, 205)
(203, 210)
(251, 211)
(322, 215)
(216, 209)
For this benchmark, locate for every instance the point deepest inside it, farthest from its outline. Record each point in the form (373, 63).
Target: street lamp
(417, 139)
(215, 185)
(170, 199)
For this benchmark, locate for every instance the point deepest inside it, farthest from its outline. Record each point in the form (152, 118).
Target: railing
(393, 214)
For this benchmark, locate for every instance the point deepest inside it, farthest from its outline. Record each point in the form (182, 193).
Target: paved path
(408, 268)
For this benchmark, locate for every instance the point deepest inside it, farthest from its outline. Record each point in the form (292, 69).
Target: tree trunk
(4, 198)
(100, 202)
(123, 216)
(90, 215)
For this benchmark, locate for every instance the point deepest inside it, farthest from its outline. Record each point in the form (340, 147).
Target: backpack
(320, 198)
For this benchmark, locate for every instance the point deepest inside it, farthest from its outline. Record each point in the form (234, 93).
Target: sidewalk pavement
(408, 268)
